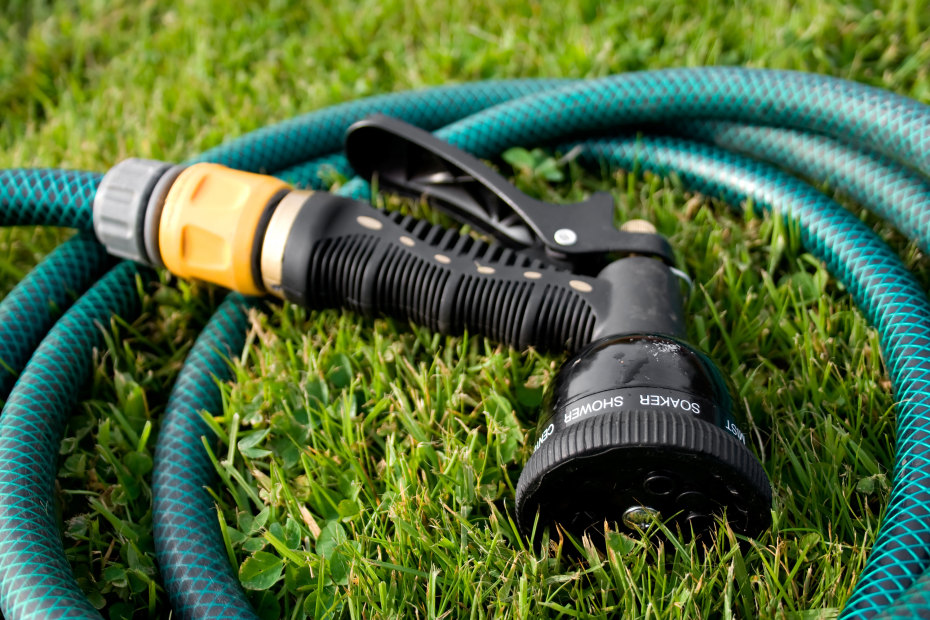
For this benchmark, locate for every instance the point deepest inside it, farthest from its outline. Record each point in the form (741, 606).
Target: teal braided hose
(865, 116)
(188, 544)
(35, 578)
(891, 191)
(314, 173)
(48, 197)
(869, 119)
(914, 603)
(30, 309)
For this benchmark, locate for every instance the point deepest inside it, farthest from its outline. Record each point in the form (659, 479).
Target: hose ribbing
(48, 197)
(891, 191)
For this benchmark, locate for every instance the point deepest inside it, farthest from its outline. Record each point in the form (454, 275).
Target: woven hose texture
(891, 191)
(48, 197)
(195, 568)
(35, 578)
(30, 309)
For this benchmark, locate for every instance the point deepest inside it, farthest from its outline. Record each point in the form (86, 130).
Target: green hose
(48, 197)
(867, 121)
(189, 547)
(30, 309)
(894, 193)
(35, 578)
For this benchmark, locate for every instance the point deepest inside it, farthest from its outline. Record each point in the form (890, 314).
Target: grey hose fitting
(126, 208)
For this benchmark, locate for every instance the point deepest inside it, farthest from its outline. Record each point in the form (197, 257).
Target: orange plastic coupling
(209, 221)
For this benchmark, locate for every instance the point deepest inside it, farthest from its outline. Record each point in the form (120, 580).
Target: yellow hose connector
(209, 223)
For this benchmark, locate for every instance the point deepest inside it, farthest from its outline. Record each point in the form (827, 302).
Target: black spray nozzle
(639, 424)
(638, 427)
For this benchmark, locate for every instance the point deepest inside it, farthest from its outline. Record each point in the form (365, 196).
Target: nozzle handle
(341, 252)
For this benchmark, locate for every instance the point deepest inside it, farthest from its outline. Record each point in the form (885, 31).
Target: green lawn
(400, 501)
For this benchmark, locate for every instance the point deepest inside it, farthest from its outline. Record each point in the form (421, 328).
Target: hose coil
(873, 143)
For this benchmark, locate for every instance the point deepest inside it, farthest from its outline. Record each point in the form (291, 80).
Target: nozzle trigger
(412, 161)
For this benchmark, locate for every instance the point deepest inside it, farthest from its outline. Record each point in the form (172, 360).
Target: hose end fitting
(278, 232)
(213, 222)
(120, 206)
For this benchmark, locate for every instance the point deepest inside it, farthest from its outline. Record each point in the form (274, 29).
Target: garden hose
(30, 309)
(865, 140)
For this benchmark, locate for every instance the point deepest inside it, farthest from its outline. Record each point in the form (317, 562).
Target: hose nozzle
(639, 426)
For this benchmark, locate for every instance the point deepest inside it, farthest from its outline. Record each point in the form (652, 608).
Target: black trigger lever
(411, 161)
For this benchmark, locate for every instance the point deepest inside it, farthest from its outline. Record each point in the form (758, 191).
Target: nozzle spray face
(638, 428)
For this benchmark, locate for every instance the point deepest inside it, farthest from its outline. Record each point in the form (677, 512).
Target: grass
(372, 464)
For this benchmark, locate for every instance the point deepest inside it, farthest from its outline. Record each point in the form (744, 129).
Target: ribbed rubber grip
(341, 252)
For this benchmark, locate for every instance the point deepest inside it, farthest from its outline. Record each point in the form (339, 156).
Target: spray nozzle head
(639, 427)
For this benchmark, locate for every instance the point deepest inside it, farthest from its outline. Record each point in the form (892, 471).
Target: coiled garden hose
(872, 139)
